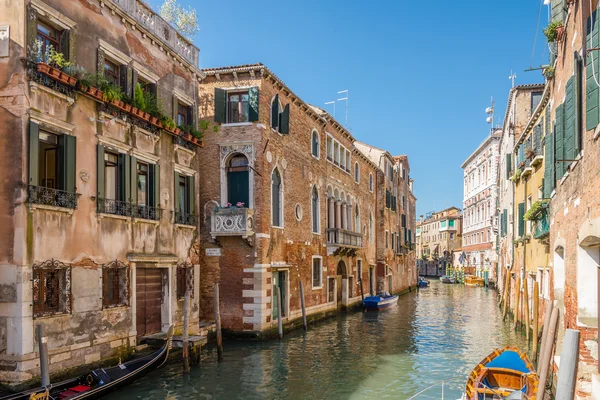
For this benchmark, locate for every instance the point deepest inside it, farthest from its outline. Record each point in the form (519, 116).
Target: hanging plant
(549, 72)
(517, 175)
(535, 211)
(529, 153)
(554, 31)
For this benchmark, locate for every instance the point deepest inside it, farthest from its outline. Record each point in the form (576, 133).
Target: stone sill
(146, 221)
(234, 124)
(317, 287)
(527, 171)
(118, 308)
(183, 226)
(36, 86)
(537, 160)
(35, 206)
(243, 234)
(114, 216)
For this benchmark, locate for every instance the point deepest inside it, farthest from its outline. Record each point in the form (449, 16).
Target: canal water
(432, 336)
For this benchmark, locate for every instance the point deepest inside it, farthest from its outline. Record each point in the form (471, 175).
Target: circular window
(298, 211)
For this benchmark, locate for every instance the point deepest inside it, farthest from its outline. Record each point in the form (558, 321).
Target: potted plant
(554, 31)
(529, 153)
(549, 72)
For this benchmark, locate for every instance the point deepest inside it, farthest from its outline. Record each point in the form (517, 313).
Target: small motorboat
(423, 283)
(474, 281)
(379, 302)
(504, 374)
(447, 279)
(99, 382)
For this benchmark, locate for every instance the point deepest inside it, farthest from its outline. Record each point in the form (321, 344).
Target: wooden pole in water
(517, 300)
(567, 374)
(218, 323)
(279, 324)
(186, 349)
(547, 316)
(536, 297)
(546, 354)
(43, 344)
(526, 306)
(304, 324)
(506, 293)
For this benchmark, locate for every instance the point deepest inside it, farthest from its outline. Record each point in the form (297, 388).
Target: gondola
(447, 279)
(99, 382)
(375, 303)
(423, 283)
(504, 374)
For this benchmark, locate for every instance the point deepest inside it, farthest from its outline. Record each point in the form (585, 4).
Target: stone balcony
(161, 29)
(232, 222)
(343, 238)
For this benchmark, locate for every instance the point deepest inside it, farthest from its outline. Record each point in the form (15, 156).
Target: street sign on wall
(213, 252)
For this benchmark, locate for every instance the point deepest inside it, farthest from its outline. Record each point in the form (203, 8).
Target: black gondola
(99, 382)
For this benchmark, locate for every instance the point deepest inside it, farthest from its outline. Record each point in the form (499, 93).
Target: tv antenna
(332, 102)
(512, 77)
(345, 99)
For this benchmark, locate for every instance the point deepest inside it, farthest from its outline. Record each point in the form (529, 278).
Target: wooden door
(338, 285)
(148, 300)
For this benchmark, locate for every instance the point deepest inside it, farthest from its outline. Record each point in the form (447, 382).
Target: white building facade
(479, 205)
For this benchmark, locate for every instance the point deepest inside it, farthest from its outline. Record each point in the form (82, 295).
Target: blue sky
(420, 73)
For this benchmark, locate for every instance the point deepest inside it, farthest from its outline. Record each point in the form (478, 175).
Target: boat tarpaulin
(509, 359)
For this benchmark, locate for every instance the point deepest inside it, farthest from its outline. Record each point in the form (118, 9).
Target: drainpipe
(524, 273)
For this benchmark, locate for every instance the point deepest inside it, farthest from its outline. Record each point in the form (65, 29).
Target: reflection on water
(435, 335)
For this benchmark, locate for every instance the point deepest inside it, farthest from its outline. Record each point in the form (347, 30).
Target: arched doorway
(238, 187)
(588, 262)
(341, 283)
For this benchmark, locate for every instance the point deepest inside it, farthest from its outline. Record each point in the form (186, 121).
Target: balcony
(114, 207)
(183, 218)
(343, 238)
(232, 222)
(541, 227)
(51, 197)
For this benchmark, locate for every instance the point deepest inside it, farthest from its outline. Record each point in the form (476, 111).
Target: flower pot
(91, 91)
(115, 103)
(560, 32)
(127, 107)
(99, 94)
(71, 80)
(146, 116)
(55, 72)
(153, 120)
(139, 113)
(134, 110)
(185, 135)
(159, 124)
(43, 68)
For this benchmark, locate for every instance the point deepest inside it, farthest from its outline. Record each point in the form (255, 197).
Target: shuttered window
(592, 73)
(234, 107)
(521, 221)
(508, 166)
(549, 166)
(559, 140)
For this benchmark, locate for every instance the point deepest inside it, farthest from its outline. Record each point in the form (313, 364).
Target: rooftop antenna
(490, 111)
(345, 99)
(332, 102)
(512, 77)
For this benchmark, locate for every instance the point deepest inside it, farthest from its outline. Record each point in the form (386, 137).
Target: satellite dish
(488, 120)
(489, 110)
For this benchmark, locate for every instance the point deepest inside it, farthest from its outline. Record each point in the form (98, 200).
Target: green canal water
(434, 335)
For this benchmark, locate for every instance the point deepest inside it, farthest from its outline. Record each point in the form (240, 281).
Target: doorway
(341, 278)
(372, 281)
(390, 280)
(280, 283)
(148, 285)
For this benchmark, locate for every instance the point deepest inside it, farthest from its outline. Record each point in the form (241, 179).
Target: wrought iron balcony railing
(51, 197)
(344, 238)
(184, 218)
(541, 227)
(232, 222)
(147, 212)
(114, 207)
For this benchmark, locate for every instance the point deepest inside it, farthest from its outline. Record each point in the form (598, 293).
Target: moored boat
(423, 283)
(100, 381)
(447, 279)
(378, 302)
(472, 280)
(501, 374)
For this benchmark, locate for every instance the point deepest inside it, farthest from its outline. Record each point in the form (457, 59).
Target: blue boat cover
(509, 359)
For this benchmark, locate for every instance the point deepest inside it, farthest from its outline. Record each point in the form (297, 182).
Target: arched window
(370, 181)
(315, 211)
(357, 219)
(276, 199)
(315, 144)
(371, 235)
(276, 109)
(356, 173)
(238, 188)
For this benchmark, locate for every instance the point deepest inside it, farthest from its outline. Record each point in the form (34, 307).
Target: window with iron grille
(115, 284)
(185, 280)
(51, 288)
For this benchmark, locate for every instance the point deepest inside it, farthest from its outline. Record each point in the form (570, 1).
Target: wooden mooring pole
(517, 300)
(43, 344)
(526, 306)
(279, 324)
(304, 323)
(218, 323)
(186, 345)
(536, 298)
(567, 374)
(547, 315)
(546, 353)
(506, 292)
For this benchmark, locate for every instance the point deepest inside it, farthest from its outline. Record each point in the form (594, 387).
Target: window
(112, 73)
(342, 157)
(237, 106)
(184, 115)
(142, 184)
(336, 153)
(317, 272)
(185, 280)
(52, 167)
(371, 182)
(536, 97)
(315, 144)
(386, 239)
(184, 200)
(146, 191)
(356, 173)
(51, 288)
(315, 211)
(111, 176)
(403, 202)
(238, 184)
(115, 284)
(348, 161)
(329, 148)
(276, 200)
(357, 219)
(393, 239)
(49, 36)
(359, 270)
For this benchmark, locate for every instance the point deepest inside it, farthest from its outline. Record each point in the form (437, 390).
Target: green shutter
(67, 162)
(253, 104)
(577, 107)
(176, 191)
(559, 135)
(409, 236)
(508, 166)
(275, 112)
(154, 189)
(549, 165)
(520, 219)
(132, 184)
(569, 123)
(100, 171)
(34, 154)
(191, 194)
(558, 10)
(32, 17)
(174, 106)
(284, 120)
(220, 105)
(592, 75)
(124, 178)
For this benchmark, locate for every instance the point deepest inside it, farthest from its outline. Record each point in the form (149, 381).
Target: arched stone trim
(226, 152)
(281, 196)
(315, 189)
(209, 207)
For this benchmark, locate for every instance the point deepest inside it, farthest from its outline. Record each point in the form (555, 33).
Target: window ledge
(116, 308)
(237, 124)
(317, 287)
(315, 157)
(317, 233)
(597, 132)
(564, 178)
(34, 206)
(114, 216)
(277, 227)
(57, 315)
(183, 226)
(36, 86)
(146, 221)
